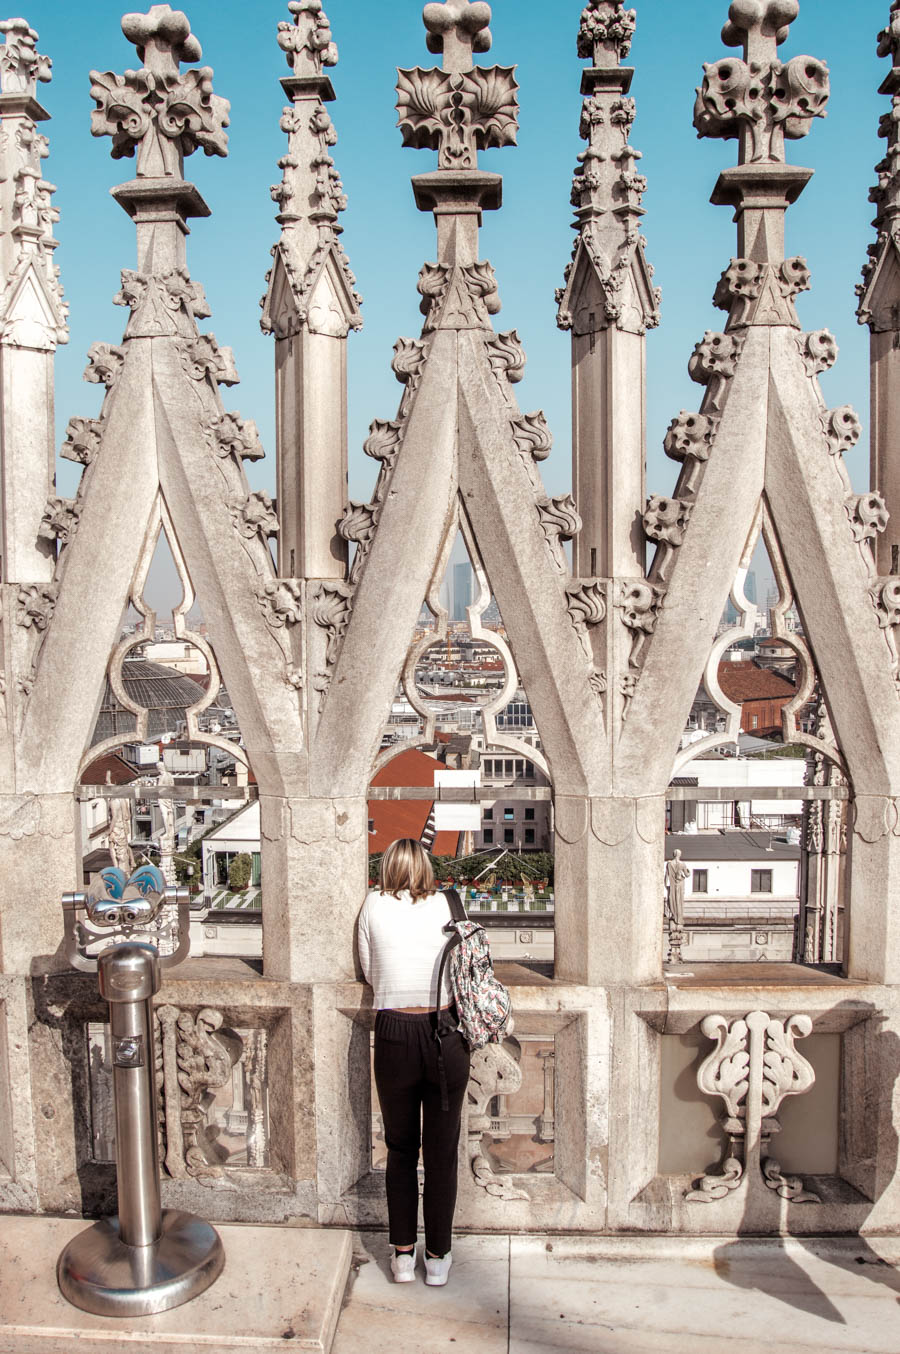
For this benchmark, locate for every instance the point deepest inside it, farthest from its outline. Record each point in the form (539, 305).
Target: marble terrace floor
(537, 1295)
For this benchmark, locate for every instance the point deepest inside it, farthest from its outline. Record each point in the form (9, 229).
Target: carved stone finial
(457, 28)
(159, 111)
(760, 100)
(606, 32)
(307, 42)
(21, 65)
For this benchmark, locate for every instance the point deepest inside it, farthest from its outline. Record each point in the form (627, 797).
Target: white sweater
(400, 947)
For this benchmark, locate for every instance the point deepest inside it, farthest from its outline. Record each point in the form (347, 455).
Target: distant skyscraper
(462, 590)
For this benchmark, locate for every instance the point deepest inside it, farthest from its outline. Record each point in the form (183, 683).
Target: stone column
(609, 868)
(313, 868)
(547, 1124)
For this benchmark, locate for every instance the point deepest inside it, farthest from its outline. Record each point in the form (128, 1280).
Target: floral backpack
(483, 1004)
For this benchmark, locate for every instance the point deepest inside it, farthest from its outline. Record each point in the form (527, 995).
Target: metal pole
(146, 1259)
(129, 978)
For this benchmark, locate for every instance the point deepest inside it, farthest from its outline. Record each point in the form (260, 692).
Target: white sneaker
(403, 1267)
(437, 1269)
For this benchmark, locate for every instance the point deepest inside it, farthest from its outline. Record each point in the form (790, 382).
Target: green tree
(240, 872)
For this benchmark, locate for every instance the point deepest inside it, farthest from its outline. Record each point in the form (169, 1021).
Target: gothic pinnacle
(310, 196)
(607, 191)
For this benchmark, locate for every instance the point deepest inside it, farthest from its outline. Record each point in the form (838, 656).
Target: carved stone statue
(119, 834)
(167, 836)
(676, 874)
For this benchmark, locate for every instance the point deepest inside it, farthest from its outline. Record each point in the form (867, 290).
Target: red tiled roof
(749, 682)
(120, 771)
(393, 818)
(409, 767)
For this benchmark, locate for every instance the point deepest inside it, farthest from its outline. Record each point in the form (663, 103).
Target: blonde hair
(405, 865)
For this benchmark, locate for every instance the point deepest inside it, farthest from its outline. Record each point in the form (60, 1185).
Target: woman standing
(401, 940)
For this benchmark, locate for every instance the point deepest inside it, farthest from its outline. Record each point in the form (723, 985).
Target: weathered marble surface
(471, 1313)
(669, 1296)
(630, 1295)
(281, 1288)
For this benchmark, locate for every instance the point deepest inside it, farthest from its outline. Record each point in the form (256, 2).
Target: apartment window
(371, 824)
(488, 835)
(529, 836)
(509, 815)
(700, 881)
(529, 769)
(509, 836)
(529, 815)
(760, 881)
(489, 814)
(754, 722)
(508, 767)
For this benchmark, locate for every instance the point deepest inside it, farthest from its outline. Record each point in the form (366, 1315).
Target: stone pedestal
(281, 1288)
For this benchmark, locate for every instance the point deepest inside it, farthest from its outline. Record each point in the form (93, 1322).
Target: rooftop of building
(750, 682)
(734, 844)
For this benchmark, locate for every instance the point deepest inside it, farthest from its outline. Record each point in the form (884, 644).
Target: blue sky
(528, 242)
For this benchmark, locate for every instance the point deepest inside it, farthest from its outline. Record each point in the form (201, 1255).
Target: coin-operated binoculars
(143, 1260)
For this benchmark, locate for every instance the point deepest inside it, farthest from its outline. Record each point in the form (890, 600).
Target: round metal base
(100, 1274)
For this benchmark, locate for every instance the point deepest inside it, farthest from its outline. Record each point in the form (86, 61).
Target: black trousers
(409, 1092)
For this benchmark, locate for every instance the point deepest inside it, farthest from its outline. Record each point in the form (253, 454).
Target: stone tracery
(610, 650)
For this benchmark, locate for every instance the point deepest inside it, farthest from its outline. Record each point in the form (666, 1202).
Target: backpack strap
(457, 907)
(457, 913)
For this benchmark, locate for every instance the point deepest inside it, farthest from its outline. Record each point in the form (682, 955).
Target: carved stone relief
(60, 520)
(331, 610)
(212, 1084)
(82, 440)
(494, 1072)
(232, 435)
(759, 1051)
(559, 522)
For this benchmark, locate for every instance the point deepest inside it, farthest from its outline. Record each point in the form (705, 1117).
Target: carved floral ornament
(666, 519)
(458, 113)
(868, 516)
(232, 435)
(159, 301)
(35, 604)
(255, 515)
(759, 1051)
(160, 112)
(606, 30)
(332, 607)
(21, 65)
(560, 521)
(458, 298)
(82, 440)
(104, 364)
(60, 520)
(456, 29)
(281, 600)
(307, 42)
